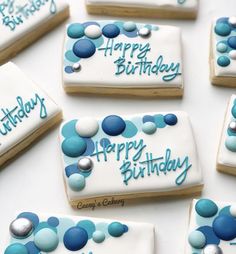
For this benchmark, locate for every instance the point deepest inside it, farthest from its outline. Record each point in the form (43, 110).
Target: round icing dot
(111, 31)
(21, 228)
(206, 208)
(76, 67)
(224, 227)
(16, 248)
(75, 31)
(30, 216)
(87, 127)
(233, 111)
(74, 146)
(232, 54)
(129, 26)
(222, 47)
(46, 240)
(76, 182)
(116, 229)
(222, 29)
(232, 210)
(130, 130)
(232, 126)
(149, 128)
(144, 32)
(223, 61)
(88, 226)
(85, 164)
(93, 31)
(98, 236)
(212, 249)
(197, 239)
(230, 143)
(232, 21)
(170, 119)
(53, 221)
(232, 42)
(84, 48)
(75, 238)
(113, 125)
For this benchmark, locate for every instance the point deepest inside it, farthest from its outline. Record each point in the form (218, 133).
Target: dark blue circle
(75, 238)
(113, 125)
(232, 42)
(210, 235)
(53, 221)
(111, 31)
(84, 48)
(222, 29)
(170, 119)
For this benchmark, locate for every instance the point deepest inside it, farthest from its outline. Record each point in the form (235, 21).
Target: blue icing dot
(233, 111)
(132, 34)
(232, 42)
(170, 119)
(73, 169)
(223, 20)
(53, 221)
(89, 226)
(223, 61)
(43, 225)
(113, 125)
(69, 69)
(104, 142)
(126, 229)
(116, 229)
(74, 146)
(70, 56)
(222, 47)
(16, 248)
(90, 147)
(68, 130)
(75, 30)
(98, 42)
(230, 143)
(197, 239)
(77, 182)
(159, 121)
(30, 216)
(222, 29)
(32, 248)
(148, 118)
(111, 31)
(130, 130)
(64, 224)
(89, 23)
(225, 211)
(224, 227)
(75, 238)
(84, 48)
(206, 208)
(211, 237)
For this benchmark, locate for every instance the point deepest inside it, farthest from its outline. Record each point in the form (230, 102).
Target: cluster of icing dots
(80, 136)
(223, 227)
(226, 47)
(89, 36)
(31, 236)
(230, 141)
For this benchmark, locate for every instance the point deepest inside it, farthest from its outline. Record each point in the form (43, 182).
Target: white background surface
(34, 180)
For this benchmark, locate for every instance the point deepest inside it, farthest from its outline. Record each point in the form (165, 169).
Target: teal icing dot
(223, 61)
(159, 121)
(155, 28)
(222, 47)
(103, 226)
(89, 226)
(75, 30)
(230, 143)
(68, 130)
(98, 236)
(116, 229)
(120, 24)
(16, 248)
(149, 128)
(222, 29)
(43, 225)
(74, 146)
(77, 182)
(197, 239)
(130, 130)
(206, 208)
(148, 26)
(70, 56)
(233, 111)
(225, 211)
(98, 42)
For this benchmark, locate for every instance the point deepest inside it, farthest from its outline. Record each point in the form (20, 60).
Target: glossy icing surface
(24, 107)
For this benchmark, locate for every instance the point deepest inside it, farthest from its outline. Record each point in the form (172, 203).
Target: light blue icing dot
(16, 248)
(129, 26)
(75, 31)
(148, 118)
(98, 236)
(77, 182)
(111, 31)
(222, 47)
(232, 42)
(89, 226)
(116, 229)
(68, 130)
(84, 48)
(206, 208)
(43, 225)
(223, 61)
(148, 26)
(98, 42)
(230, 143)
(64, 224)
(70, 56)
(222, 29)
(53, 221)
(46, 240)
(197, 239)
(130, 130)
(69, 69)
(74, 146)
(159, 121)
(149, 128)
(103, 226)
(104, 142)
(233, 111)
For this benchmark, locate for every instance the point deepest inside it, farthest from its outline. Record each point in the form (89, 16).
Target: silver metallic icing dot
(212, 249)
(144, 32)
(21, 228)
(232, 126)
(76, 67)
(85, 164)
(232, 21)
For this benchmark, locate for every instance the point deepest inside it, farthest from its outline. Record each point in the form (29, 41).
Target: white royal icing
(24, 107)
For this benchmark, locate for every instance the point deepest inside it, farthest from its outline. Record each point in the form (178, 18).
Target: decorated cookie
(116, 57)
(115, 158)
(30, 233)
(212, 228)
(226, 159)
(24, 21)
(26, 112)
(223, 52)
(173, 9)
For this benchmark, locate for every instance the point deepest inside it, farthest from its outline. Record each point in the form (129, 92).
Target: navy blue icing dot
(224, 227)
(30, 216)
(53, 221)
(148, 118)
(206, 208)
(69, 69)
(113, 125)
(232, 42)
(73, 169)
(222, 29)
(74, 146)
(210, 235)
(170, 119)
(111, 31)
(84, 48)
(223, 61)
(32, 248)
(75, 238)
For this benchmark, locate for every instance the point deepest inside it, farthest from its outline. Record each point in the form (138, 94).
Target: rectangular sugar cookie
(116, 158)
(24, 21)
(171, 9)
(223, 52)
(226, 158)
(34, 233)
(211, 228)
(123, 58)
(26, 112)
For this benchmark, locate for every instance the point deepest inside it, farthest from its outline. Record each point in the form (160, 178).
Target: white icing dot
(232, 20)
(144, 32)
(93, 31)
(232, 210)
(87, 127)
(232, 54)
